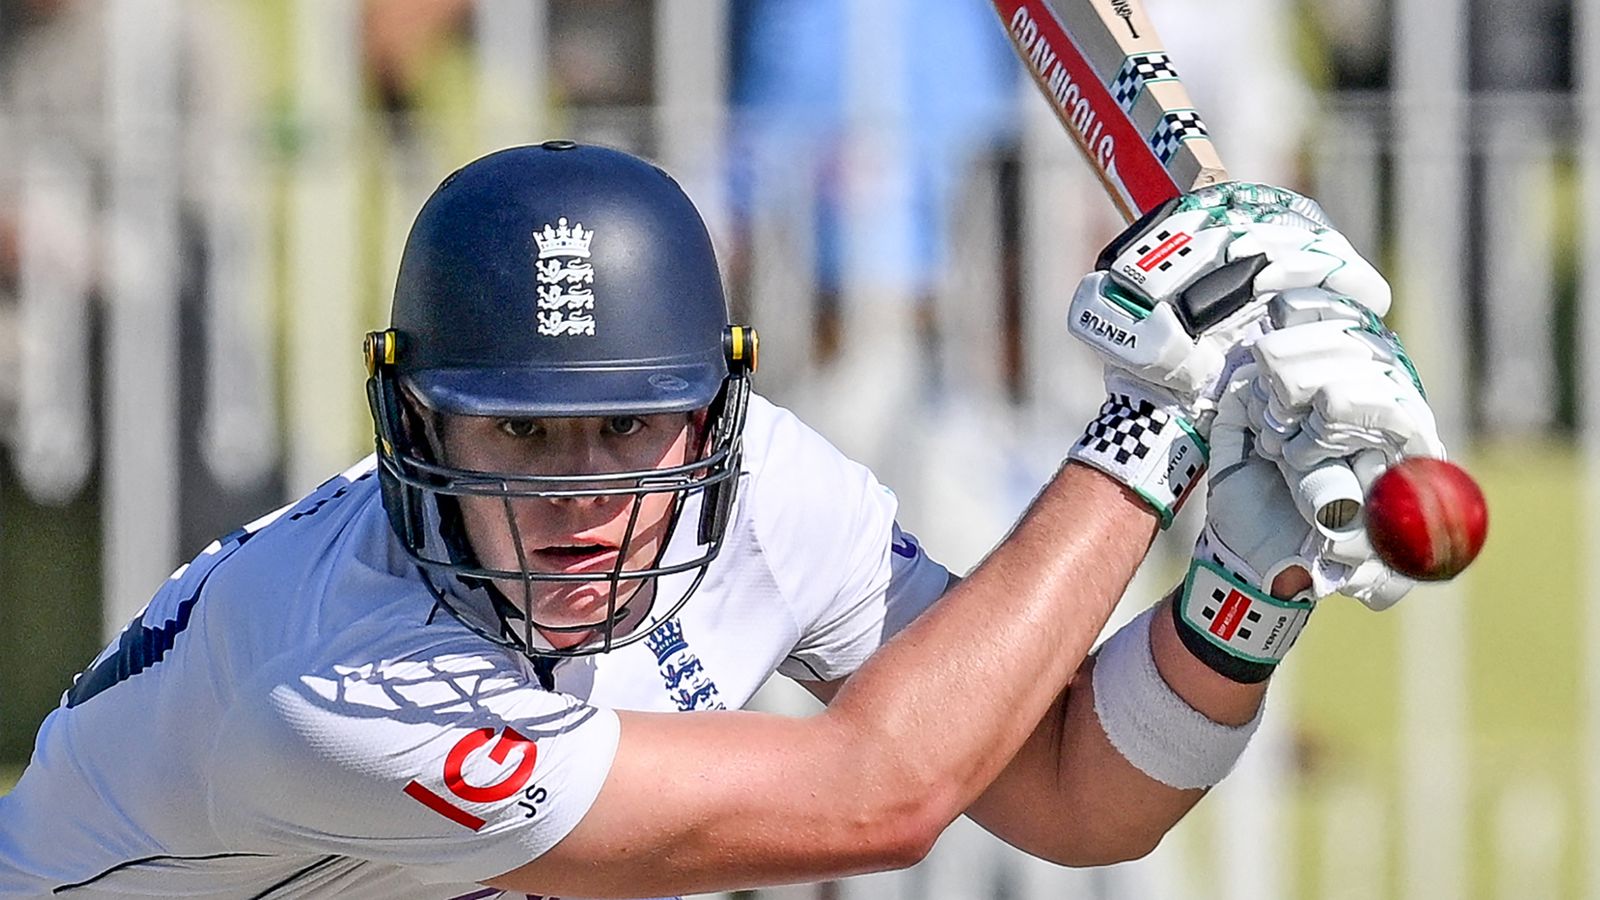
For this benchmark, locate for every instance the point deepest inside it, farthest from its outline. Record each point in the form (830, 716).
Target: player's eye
(622, 426)
(519, 428)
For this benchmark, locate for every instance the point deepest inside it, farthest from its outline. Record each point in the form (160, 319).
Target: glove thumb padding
(1275, 532)
(1252, 516)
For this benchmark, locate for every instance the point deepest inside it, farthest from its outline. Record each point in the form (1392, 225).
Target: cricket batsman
(507, 652)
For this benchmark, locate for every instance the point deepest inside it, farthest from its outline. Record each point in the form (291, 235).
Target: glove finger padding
(1350, 566)
(1359, 414)
(1298, 361)
(1301, 305)
(1377, 586)
(1328, 389)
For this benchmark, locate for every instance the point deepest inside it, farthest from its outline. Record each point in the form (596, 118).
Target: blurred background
(202, 203)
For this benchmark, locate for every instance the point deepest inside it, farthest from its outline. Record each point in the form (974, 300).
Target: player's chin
(583, 605)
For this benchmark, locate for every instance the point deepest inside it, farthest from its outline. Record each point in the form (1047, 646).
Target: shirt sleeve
(456, 768)
(904, 582)
(851, 576)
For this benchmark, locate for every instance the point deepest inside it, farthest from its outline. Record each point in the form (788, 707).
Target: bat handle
(1330, 497)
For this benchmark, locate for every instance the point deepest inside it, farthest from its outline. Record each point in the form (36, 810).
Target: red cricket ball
(1426, 518)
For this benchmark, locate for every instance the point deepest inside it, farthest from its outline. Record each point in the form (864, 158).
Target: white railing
(964, 427)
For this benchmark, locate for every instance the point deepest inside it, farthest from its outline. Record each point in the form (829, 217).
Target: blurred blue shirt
(792, 103)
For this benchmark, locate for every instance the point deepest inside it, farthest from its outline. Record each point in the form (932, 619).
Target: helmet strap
(727, 425)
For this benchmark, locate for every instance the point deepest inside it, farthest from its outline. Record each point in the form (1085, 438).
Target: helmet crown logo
(563, 241)
(566, 293)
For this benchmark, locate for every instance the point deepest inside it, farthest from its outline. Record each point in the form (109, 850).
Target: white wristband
(1150, 725)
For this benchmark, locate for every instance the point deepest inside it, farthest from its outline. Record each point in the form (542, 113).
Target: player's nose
(582, 482)
(578, 465)
(580, 499)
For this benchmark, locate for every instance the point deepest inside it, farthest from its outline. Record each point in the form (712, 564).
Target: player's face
(571, 535)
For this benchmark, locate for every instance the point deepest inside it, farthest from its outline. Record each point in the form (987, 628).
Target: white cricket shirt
(292, 716)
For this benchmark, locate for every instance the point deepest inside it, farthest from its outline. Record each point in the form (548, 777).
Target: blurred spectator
(1522, 45)
(602, 52)
(1353, 38)
(819, 86)
(599, 60)
(58, 159)
(398, 39)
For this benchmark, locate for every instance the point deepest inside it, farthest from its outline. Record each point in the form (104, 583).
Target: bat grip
(1330, 497)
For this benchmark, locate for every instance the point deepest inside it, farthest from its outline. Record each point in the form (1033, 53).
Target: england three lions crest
(686, 679)
(566, 279)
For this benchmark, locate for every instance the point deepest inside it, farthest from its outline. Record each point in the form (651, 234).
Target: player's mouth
(575, 557)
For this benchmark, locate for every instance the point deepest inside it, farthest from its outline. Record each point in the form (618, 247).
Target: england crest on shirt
(688, 683)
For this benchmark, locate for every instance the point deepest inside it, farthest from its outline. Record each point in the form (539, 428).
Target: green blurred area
(49, 606)
(1524, 631)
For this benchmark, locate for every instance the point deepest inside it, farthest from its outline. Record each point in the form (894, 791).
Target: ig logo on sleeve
(505, 744)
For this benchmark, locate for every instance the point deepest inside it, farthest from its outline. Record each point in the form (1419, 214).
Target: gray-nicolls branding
(1181, 454)
(1277, 632)
(1063, 89)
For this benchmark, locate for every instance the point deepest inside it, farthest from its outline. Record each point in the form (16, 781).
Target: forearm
(1047, 590)
(1071, 797)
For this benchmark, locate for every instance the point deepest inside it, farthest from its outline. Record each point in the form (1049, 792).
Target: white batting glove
(1170, 308)
(1331, 388)
(1333, 381)
(1254, 532)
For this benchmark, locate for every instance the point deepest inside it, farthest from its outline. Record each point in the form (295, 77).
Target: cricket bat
(1105, 73)
(1107, 77)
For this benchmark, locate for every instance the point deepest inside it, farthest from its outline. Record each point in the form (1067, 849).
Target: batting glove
(1254, 532)
(1333, 395)
(1327, 389)
(1170, 309)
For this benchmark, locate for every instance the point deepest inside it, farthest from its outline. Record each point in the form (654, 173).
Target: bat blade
(1106, 75)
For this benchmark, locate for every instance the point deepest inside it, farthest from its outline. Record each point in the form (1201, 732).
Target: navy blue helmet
(546, 281)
